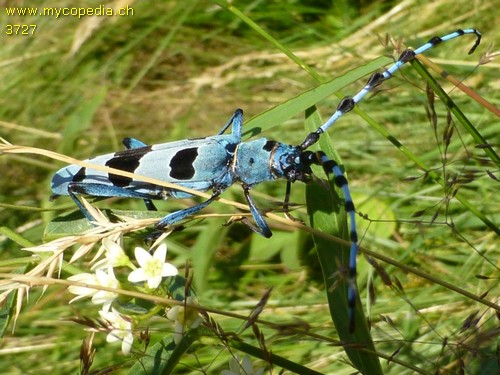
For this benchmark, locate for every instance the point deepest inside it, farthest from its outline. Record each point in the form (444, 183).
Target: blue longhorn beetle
(217, 162)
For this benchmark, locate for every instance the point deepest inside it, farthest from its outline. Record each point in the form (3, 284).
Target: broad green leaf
(75, 223)
(204, 250)
(66, 225)
(263, 249)
(290, 255)
(375, 209)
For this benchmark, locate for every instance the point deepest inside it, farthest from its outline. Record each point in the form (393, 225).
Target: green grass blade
(270, 38)
(163, 357)
(185, 9)
(472, 131)
(450, 104)
(292, 107)
(274, 359)
(80, 121)
(8, 307)
(327, 215)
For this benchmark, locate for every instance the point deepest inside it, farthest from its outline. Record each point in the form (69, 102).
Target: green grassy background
(178, 69)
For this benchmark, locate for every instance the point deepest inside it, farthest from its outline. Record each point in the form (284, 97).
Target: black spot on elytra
(181, 165)
(80, 175)
(128, 161)
(269, 146)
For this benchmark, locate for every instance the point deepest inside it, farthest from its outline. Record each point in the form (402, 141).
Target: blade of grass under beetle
(327, 214)
(277, 115)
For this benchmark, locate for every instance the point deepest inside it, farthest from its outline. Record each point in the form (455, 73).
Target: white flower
(239, 367)
(80, 291)
(107, 280)
(153, 267)
(185, 317)
(115, 256)
(100, 278)
(122, 329)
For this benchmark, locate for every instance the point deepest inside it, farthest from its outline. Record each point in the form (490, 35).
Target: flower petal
(112, 337)
(154, 281)
(142, 256)
(111, 246)
(127, 344)
(161, 252)
(173, 313)
(169, 270)
(137, 275)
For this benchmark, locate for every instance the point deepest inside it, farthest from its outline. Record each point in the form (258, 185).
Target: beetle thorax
(280, 161)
